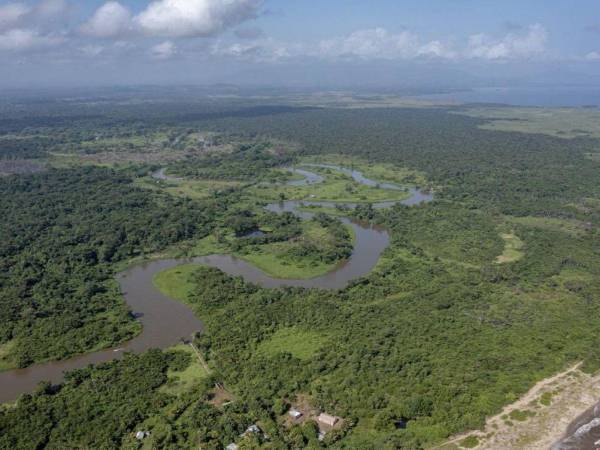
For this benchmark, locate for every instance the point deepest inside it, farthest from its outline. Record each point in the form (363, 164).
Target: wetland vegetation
(480, 294)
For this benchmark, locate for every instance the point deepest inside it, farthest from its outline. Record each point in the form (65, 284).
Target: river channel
(165, 321)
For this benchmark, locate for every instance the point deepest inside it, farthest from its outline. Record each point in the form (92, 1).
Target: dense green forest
(439, 335)
(63, 232)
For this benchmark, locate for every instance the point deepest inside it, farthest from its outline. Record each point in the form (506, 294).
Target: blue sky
(278, 42)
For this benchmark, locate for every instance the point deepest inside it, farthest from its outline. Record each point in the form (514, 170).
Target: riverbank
(166, 321)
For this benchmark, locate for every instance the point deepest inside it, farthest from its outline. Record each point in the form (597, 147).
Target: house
(251, 429)
(327, 419)
(232, 446)
(294, 413)
(141, 435)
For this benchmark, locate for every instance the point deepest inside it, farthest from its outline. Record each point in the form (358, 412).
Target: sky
(325, 43)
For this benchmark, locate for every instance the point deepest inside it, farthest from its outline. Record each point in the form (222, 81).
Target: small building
(232, 446)
(294, 413)
(251, 429)
(141, 435)
(327, 419)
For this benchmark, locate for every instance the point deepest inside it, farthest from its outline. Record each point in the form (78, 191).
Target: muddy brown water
(165, 321)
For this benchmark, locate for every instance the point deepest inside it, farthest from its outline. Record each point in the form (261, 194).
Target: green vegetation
(337, 187)
(546, 399)
(572, 227)
(63, 233)
(521, 415)
(437, 338)
(183, 377)
(559, 122)
(314, 252)
(196, 189)
(299, 343)
(176, 282)
(469, 442)
(512, 249)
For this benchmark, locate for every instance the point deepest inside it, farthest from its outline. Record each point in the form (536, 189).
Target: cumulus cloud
(109, 21)
(511, 46)
(24, 39)
(265, 50)
(195, 18)
(378, 43)
(164, 50)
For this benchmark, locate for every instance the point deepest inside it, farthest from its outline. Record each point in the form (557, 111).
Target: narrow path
(200, 358)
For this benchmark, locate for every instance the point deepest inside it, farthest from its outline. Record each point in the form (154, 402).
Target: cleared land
(558, 122)
(182, 381)
(572, 227)
(176, 282)
(512, 249)
(302, 344)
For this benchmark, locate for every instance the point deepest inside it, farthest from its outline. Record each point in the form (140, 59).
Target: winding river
(165, 321)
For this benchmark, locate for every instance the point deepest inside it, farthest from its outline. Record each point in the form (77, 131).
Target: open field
(301, 344)
(192, 189)
(337, 188)
(557, 122)
(182, 381)
(512, 249)
(284, 260)
(571, 227)
(175, 282)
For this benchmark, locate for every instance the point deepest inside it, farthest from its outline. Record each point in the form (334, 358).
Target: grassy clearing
(378, 171)
(197, 189)
(176, 282)
(182, 381)
(512, 249)
(278, 259)
(5, 351)
(558, 122)
(302, 344)
(322, 209)
(469, 442)
(572, 227)
(337, 188)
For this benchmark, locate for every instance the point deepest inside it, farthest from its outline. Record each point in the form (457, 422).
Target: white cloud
(511, 46)
(378, 43)
(264, 50)
(110, 20)
(21, 15)
(91, 51)
(24, 39)
(164, 50)
(195, 18)
(592, 56)
(11, 14)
